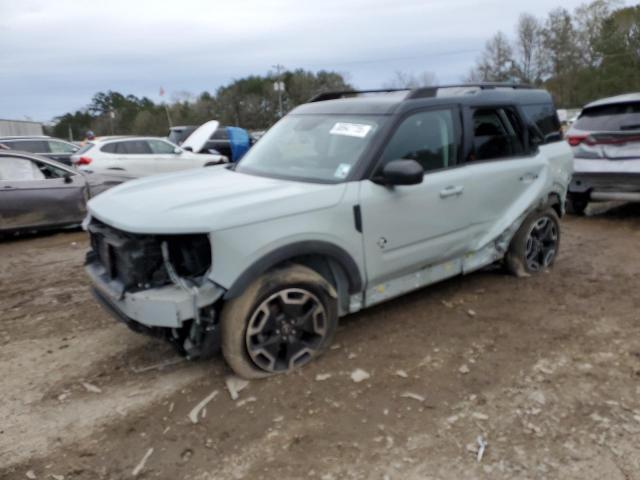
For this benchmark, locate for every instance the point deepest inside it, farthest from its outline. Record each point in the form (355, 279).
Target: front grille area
(136, 260)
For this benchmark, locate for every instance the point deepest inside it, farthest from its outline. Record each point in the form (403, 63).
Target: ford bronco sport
(350, 200)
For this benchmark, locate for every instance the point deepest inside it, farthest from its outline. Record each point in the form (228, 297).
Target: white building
(19, 127)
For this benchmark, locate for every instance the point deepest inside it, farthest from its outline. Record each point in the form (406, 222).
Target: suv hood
(206, 200)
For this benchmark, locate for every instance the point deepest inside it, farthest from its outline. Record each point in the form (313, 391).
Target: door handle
(529, 177)
(451, 191)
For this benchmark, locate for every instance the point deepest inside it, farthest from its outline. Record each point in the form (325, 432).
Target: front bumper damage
(157, 285)
(168, 306)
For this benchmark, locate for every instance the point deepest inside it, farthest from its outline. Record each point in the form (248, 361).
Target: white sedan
(143, 156)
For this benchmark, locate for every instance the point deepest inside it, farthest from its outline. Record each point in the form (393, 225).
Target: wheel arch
(554, 201)
(331, 261)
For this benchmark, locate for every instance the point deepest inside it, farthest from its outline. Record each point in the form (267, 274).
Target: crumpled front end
(155, 283)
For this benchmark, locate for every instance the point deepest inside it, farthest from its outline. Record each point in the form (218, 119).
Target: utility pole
(278, 86)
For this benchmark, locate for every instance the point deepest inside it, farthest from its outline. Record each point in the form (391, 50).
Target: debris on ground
(322, 377)
(413, 396)
(193, 414)
(480, 416)
(359, 375)
(235, 385)
(31, 475)
(471, 313)
(402, 373)
(136, 471)
(351, 356)
(240, 403)
(481, 446)
(464, 369)
(160, 365)
(89, 387)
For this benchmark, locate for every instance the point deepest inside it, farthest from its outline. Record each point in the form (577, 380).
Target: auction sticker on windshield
(350, 129)
(342, 171)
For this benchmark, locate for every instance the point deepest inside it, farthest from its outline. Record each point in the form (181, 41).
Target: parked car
(232, 142)
(606, 146)
(142, 156)
(38, 193)
(53, 148)
(179, 134)
(343, 204)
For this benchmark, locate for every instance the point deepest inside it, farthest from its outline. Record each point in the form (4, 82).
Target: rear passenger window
(109, 148)
(161, 148)
(497, 133)
(431, 138)
(544, 117)
(133, 147)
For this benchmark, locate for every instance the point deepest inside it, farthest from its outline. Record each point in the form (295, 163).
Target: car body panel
(214, 199)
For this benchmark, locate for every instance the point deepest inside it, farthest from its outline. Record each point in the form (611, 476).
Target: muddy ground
(545, 370)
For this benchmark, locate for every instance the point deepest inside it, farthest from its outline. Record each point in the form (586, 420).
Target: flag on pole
(161, 92)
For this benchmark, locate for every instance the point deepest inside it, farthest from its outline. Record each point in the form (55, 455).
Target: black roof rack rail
(432, 91)
(321, 97)
(421, 92)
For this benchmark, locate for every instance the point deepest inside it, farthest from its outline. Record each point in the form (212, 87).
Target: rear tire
(283, 320)
(535, 246)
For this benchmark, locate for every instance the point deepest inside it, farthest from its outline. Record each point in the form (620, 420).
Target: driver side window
(431, 138)
(19, 170)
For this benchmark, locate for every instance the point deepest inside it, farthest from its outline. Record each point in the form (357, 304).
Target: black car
(53, 148)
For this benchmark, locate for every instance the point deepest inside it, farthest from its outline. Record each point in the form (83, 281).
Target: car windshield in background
(321, 148)
(610, 118)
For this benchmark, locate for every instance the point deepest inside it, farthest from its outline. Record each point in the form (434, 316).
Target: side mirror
(188, 149)
(401, 172)
(177, 150)
(68, 178)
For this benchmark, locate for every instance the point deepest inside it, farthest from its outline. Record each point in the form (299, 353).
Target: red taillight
(83, 161)
(575, 140)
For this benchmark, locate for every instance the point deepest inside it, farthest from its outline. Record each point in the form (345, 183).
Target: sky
(55, 55)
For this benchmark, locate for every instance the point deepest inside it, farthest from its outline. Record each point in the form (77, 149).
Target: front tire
(535, 246)
(283, 320)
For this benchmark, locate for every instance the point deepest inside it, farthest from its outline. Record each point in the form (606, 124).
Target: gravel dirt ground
(543, 371)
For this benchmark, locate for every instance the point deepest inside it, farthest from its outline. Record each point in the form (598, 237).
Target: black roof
(386, 102)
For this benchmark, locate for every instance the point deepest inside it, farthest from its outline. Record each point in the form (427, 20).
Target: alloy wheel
(286, 330)
(542, 244)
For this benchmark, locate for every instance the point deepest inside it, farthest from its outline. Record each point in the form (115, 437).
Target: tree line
(579, 56)
(250, 102)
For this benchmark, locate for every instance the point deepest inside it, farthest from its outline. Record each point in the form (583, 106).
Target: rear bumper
(168, 306)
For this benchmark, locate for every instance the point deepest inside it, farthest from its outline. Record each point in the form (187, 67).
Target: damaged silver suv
(350, 200)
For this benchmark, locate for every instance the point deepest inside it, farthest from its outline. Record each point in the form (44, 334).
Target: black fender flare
(288, 252)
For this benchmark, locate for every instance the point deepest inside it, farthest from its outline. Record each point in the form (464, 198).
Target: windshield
(321, 148)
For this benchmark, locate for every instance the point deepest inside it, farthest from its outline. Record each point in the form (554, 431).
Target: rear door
(136, 158)
(36, 194)
(505, 172)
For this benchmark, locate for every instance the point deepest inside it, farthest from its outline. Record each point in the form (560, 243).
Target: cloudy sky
(54, 55)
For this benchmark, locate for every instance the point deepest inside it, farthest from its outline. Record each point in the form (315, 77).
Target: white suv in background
(606, 146)
(143, 156)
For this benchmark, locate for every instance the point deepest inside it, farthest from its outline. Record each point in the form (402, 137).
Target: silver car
(606, 145)
(38, 193)
(350, 200)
